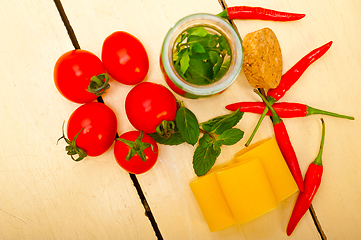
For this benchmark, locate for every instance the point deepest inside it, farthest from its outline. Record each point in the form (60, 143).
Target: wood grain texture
(331, 84)
(45, 195)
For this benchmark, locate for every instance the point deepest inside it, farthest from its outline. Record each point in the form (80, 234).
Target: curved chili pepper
(283, 109)
(312, 182)
(284, 143)
(246, 12)
(289, 79)
(294, 73)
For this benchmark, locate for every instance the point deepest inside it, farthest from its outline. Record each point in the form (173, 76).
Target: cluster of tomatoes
(81, 77)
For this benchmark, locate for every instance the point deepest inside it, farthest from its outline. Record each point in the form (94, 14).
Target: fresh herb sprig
(201, 57)
(210, 136)
(217, 132)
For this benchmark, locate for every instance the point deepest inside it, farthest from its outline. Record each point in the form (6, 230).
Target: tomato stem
(136, 147)
(165, 129)
(72, 149)
(99, 84)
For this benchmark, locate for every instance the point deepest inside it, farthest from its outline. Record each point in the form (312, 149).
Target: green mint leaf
(207, 126)
(214, 57)
(187, 124)
(230, 136)
(226, 122)
(199, 31)
(217, 149)
(224, 44)
(213, 41)
(204, 41)
(198, 48)
(175, 139)
(200, 56)
(199, 71)
(223, 69)
(205, 141)
(184, 62)
(217, 67)
(203, 159)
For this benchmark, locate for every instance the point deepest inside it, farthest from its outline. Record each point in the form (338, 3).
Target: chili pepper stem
(311, 110)
(276, 119)
(318, 159)
(264, 113)
(271, 100)
(223, 14)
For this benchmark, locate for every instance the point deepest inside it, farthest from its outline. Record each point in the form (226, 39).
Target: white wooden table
(45, 195)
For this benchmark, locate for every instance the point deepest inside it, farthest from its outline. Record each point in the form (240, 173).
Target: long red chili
(246, 12)
(289, 79)
(294, 73)
(311, 184)
(284, 143)
(283, 109)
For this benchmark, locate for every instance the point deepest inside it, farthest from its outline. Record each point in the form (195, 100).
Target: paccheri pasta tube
(251, 186)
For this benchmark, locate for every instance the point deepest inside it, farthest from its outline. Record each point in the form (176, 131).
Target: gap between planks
(133, 177)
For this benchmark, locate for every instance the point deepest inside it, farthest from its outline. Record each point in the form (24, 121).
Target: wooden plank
(166, 185)
(330, 84)
(105, 205)
(44, 194)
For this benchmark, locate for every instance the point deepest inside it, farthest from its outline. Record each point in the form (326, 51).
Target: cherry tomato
(72, 74)
(148, 104)
(97, 125)
(125, 58)
(135, 164)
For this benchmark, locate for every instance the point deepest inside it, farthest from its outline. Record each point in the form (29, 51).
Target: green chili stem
(271, 100)
(223, 14)
(311, 110)
(257, 126)
(318, 160)
(276, 119)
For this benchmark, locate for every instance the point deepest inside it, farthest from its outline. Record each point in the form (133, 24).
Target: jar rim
(220, 25)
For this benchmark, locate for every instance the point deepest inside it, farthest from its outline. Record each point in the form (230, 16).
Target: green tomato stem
(165, 129)
(72, 149)
(99, 84)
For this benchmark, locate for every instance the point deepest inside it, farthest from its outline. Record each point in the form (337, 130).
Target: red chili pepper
(283, 109)
(246, 12)
(294, 73)
(312, 182)
(289, 79)
(284, 143)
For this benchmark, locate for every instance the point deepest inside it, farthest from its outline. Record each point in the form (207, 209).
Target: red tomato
(135, 165)
(148, 104)
(97, 125)
(125, 58)
(72, 74)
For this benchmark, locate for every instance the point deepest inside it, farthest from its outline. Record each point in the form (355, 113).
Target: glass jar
(214, 25)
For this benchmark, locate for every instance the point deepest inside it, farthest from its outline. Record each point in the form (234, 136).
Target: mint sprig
(214, 133)
(217, 132)
(200, 56)
(187, 124)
